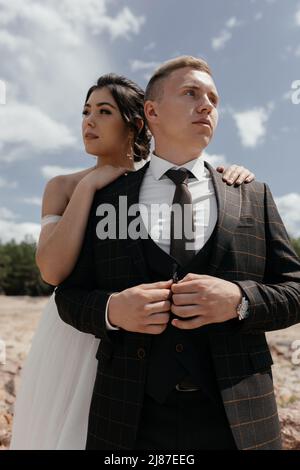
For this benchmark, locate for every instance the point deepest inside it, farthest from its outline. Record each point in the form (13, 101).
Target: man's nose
(204, 105)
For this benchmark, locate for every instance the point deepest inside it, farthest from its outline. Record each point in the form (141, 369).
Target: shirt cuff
(108, 324)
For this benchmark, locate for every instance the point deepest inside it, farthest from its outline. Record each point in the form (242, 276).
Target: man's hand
(142, 309)
(199, 300)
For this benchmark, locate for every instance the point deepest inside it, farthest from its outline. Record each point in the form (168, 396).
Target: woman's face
(104, 132)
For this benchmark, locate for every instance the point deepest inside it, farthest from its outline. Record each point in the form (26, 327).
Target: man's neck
(176, 155)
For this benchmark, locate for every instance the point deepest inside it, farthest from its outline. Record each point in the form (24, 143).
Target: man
(185, 365)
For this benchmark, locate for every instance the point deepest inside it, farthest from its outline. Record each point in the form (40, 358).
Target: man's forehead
(190, 77)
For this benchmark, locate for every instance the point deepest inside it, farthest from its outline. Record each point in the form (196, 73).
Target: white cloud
(7, 214)
(49, 171)
(10, 229)
(215, 159)
(36, 201)
(142, 66)
(68, 19)
(297, 17)
(57, 55)
(123, 24)
(13, 42)
(7, 184)
(137, 65)
(232, 22)
(24, 124)
(288, 206)
(219, 42)
(251, 125)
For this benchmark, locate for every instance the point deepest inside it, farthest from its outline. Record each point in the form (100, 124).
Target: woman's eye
(104, 111)
(84, 112)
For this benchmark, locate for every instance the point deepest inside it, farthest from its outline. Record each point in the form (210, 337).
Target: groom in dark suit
(183, 358)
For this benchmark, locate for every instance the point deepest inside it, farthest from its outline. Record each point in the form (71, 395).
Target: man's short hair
(154, 89)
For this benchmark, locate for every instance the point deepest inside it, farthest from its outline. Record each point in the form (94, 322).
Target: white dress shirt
(157, 189)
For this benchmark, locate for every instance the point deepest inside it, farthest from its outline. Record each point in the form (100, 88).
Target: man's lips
(203, 123)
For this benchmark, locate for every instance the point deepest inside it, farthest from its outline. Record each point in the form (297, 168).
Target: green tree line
(19, 274)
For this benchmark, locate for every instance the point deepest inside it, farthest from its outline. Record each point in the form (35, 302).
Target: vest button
(179, 347)
(141, 353)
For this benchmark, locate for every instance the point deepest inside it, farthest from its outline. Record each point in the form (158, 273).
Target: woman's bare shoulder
(59, 190)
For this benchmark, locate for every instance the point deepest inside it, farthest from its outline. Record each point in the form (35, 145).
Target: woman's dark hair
(130, 100)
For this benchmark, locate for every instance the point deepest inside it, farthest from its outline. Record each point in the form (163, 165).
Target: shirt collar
(158, 166)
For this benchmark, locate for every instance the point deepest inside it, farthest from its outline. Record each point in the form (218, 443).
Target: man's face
(189, 97)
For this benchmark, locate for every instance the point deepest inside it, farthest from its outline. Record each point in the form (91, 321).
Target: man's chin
(202, 143)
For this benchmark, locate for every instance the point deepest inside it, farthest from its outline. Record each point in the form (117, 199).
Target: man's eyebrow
(197, 87)
(87, 105)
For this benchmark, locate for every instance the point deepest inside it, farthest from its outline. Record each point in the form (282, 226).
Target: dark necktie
(182, 224)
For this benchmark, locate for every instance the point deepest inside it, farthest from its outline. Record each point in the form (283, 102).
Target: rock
(290, 428)
(19, 319)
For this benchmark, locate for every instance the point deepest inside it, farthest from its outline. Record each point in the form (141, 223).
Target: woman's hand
(236, 174)
(102, 176)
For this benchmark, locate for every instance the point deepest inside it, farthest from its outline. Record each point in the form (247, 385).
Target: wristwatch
(242, 309)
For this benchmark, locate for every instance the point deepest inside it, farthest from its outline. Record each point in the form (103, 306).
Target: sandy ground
(19, 317)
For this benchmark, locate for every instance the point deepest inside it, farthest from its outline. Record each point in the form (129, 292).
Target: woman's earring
(130, 153)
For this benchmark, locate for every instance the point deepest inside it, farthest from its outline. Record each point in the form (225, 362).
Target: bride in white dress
(53, 401)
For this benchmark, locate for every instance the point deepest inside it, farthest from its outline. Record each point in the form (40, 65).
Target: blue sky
(53, 50)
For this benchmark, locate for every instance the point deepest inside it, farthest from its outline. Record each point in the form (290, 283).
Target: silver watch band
(243, 309)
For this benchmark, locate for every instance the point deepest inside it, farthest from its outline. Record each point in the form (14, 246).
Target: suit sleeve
(275, 303)
(79, 302)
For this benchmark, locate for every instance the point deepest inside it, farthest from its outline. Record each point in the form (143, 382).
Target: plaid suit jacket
(253, 250)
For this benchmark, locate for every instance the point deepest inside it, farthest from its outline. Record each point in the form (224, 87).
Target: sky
(52, 51)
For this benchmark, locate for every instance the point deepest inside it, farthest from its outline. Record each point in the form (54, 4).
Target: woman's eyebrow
(100, 104)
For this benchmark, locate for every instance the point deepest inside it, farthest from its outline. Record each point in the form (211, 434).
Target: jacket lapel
(229, 210)
(135, 247)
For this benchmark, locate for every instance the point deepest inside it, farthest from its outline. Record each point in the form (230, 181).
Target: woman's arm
(60, 243)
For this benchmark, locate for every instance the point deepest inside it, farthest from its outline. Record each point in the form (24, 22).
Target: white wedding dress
(53, 401)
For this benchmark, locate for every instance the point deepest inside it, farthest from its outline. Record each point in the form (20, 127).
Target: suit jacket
(251, 249)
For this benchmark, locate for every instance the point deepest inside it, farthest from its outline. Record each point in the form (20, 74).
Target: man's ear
(150, 109)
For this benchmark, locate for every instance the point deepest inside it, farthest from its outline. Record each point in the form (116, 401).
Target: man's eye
(190, 92)
(85, 112)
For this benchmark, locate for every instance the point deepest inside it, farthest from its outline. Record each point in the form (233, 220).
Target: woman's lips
(90, 136)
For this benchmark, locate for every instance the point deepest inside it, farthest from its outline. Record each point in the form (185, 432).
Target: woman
(52, 407)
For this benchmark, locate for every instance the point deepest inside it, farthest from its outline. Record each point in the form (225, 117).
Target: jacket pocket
(246, 222)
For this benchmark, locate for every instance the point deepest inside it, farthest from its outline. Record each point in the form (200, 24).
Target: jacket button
(141, 353)
(179, 347)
